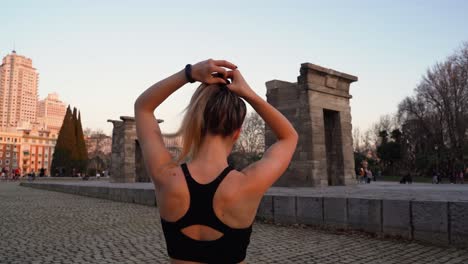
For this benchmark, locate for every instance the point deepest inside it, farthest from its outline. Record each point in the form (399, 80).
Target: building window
(7, 162)
(1, 161)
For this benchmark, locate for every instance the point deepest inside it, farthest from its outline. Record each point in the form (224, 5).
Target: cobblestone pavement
(38, 226)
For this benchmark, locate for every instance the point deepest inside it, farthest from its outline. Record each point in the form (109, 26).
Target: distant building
(18, 90)
(26, 149)
(50, 113)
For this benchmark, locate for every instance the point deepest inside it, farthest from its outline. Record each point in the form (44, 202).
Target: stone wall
(319, 98)
(435, 222)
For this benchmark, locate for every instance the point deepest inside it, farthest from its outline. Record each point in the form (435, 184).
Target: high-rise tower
(18, 91)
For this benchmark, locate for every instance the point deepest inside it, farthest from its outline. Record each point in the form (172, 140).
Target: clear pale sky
(100, 55)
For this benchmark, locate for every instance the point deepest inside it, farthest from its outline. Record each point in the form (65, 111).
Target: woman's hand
(203, 71)
(239, 86)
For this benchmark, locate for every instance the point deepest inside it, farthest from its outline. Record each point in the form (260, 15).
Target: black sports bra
(229, 248)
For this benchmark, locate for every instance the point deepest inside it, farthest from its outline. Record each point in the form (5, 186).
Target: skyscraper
(50, 113)
(18, 91)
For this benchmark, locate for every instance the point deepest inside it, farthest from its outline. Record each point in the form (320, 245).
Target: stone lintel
(127, 118)
(335, 92)
(132, 119)
(274, 84)
(114, 121)
(306, 67)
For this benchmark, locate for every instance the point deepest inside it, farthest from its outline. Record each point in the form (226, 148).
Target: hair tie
(220, 75)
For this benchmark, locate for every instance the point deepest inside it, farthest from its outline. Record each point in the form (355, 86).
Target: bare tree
(435, 119)
(367, 140)
(251, 143)
(98, 145)
(357, 140)
(386, 123)
(252, 138)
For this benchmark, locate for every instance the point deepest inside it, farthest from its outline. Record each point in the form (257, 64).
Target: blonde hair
(213, 109)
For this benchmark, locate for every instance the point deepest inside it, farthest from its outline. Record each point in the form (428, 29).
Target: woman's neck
(214, 150)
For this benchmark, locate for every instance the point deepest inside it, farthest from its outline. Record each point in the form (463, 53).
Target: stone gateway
(318, 107)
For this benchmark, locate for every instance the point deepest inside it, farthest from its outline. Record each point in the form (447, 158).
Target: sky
(99, 56)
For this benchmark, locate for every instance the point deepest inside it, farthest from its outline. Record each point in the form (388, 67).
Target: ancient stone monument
(318, 107)
(126, 161)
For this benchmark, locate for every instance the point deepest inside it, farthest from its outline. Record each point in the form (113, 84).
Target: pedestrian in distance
(369, 176)
(435, 178)
(207, 208)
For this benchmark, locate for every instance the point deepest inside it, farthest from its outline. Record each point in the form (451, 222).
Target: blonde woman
(207, 208)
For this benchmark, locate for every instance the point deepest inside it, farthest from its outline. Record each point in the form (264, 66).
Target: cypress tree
(74, 147)
(63, 152)
(81, 146)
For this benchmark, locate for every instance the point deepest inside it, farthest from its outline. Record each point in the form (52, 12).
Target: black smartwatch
(188, 73)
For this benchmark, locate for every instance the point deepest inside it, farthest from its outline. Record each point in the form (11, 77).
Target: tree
(65, 146)
(435, 119)
(389, 152)
(82, 157)
(252, 138)
(98, 144)
(70, 150)
(251, 143)
(357, 145)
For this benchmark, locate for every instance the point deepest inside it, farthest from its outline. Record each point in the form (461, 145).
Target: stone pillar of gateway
(127, 164)
(318, 107)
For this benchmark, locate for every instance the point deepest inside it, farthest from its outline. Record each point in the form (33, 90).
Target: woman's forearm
(273, 118)
(158, 92)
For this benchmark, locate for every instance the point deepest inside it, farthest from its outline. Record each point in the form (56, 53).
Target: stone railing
(436, 222)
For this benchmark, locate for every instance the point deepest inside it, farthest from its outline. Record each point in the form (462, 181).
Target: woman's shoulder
(169, 176)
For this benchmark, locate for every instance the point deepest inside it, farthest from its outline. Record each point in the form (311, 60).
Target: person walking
(362, 175)
(435, 178)
(207, 208)
(368, 176)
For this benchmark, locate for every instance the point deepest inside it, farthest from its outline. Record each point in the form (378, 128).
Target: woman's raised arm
(263, 173)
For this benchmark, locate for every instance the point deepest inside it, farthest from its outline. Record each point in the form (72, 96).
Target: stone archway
(318, 107)
(127, 164)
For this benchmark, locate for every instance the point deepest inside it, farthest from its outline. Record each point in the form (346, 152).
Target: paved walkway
(38, 226)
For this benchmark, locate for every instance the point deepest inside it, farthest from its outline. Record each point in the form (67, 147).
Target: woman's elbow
(138, 105)
(294, 136)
